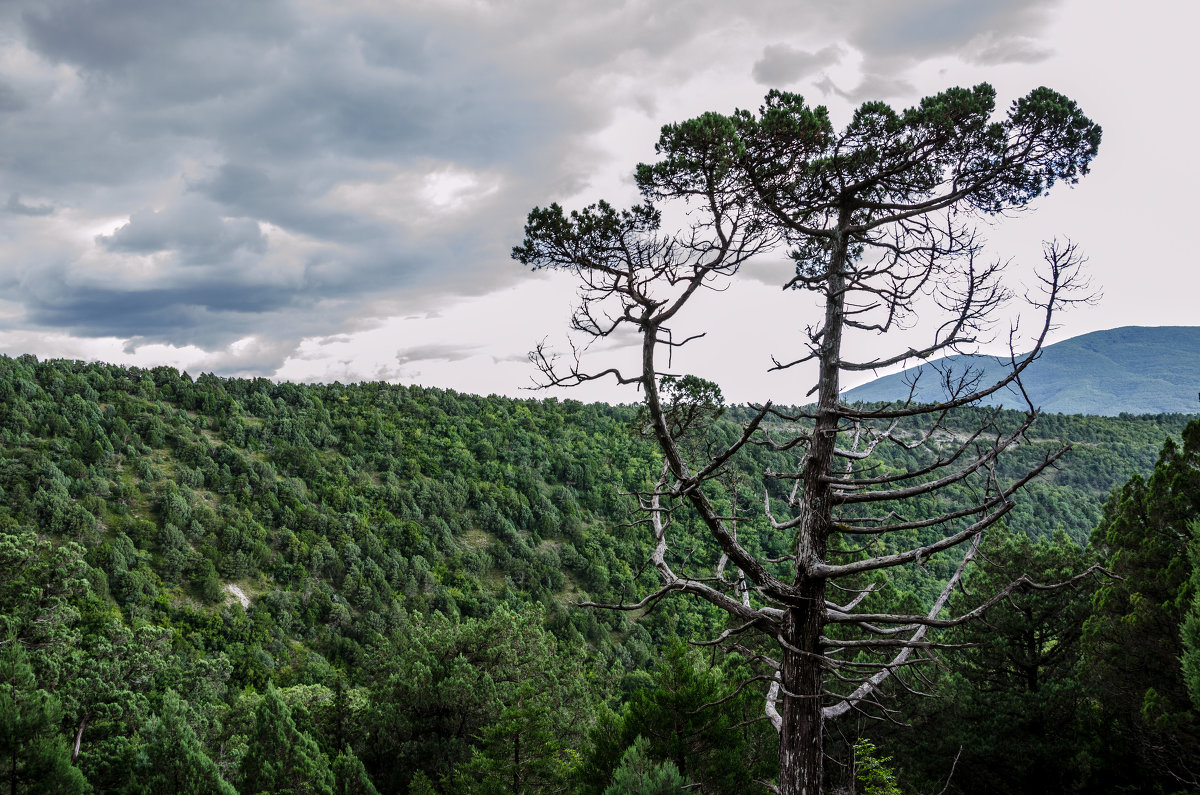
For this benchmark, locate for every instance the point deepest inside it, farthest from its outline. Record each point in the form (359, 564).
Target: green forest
(234, 585)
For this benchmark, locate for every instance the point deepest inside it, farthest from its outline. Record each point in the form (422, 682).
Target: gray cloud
(197, 233)
(206, 315)
(436, 352)
(872, 86)
(928, 28)
(782, 64)
(994, 50)
(213, 171)
(10, 100)
(18, 207)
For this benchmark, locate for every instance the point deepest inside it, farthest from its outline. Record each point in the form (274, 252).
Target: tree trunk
(801, 736)
(79, 737)
(516, 781)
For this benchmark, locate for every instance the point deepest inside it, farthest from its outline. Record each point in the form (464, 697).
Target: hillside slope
(371, 556)
(1133, 370)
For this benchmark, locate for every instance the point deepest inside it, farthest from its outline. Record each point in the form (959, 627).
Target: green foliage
(1012, 710)
(34, 756)
(421, 785)
(371, 526)
(173, 760)
(639, 775)
(350, 776)
(496, 703)
(1133, 640)
(690, 404)
(872, 771)
(1191, 623)
(282, 758)
(694, 715)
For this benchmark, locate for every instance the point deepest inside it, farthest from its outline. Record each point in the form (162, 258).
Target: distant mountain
(1134, 369)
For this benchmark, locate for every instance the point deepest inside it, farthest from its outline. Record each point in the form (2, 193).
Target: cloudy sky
(328, 190)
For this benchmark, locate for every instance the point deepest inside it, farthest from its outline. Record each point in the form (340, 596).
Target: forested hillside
(351, 588)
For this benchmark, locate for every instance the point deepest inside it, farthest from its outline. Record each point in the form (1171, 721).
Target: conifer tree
(1191, 623)
(173, 761)
(639, 774)
(350, 775)
(877, 219)
(1012, 704)
(34, 756)
(1134, 641)
(283, 760)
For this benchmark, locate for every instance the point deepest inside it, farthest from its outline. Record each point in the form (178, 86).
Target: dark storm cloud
(112, 35)
(202, 122)
(221, 169)
(287, 199)
(204, 315)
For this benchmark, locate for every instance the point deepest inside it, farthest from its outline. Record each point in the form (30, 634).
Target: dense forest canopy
(408, 555)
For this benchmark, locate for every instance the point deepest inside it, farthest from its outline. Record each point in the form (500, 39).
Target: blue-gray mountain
(1134, 369)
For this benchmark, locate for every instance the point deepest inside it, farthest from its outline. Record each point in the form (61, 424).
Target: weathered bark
(79, 737)
(801, 739)
(801, 734)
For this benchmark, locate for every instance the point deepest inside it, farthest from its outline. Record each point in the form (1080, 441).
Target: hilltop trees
(877, 219)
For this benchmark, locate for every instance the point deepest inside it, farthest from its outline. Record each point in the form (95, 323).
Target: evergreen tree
(173, 760)
(496, 701)
(693, 716)
(282, 760)
(1133, 641)
(877, 218)
(1011, 708)
(639, 774)
(350, 776)
(34, 757)
(107, 682)
(1191, 624)
(421, 784)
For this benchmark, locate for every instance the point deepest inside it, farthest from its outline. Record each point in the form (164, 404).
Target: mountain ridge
(1124, 370)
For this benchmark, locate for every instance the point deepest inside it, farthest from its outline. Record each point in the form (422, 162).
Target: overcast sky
(328, 190)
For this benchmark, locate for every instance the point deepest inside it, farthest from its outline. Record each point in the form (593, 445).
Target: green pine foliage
(496, 703)
(1011, 711)
(1191, 622)
(410, 560)
(282, 759)
(172, 759)
(872, 771)
(1134, 640)
(34, 756)
(691, 714)
(350, 775)
(638, 774)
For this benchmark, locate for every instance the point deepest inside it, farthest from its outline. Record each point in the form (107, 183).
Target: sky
(328, 190)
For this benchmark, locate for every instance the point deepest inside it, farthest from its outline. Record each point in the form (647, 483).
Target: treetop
(788, 162)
